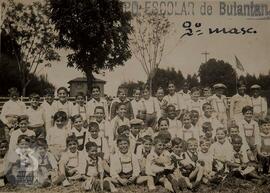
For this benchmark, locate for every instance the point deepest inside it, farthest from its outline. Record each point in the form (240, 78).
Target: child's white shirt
(174, 127)
(222, 152)
(176, 100)
(66, 107)
(207, 158)
(35, 116)
(151, 106)
(57, 136)
(93, 103)
(259, 105)
(136, 106)
(186, 134)
(237, 102)
(79, 110)
(15, 135)
(249, 130)
(102, 144)
(12, 108)
(90, 167)
(195, 105)
(215, 123)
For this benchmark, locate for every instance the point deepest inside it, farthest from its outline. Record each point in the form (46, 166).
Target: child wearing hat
(219, 103)
(259, 103)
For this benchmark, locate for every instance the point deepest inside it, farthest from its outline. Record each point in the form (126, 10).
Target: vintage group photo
(131, 96)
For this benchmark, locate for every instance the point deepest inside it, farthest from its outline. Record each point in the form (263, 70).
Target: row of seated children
(174, 161)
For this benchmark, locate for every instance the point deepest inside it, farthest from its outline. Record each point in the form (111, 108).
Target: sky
(253, 50)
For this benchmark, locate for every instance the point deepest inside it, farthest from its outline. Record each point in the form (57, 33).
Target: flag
(239, 65)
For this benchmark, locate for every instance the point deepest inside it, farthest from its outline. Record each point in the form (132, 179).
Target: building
(80, 85)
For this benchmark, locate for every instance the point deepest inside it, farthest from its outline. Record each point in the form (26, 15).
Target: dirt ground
(232, 185)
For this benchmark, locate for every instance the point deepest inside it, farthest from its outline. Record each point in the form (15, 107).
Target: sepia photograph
(135, 96)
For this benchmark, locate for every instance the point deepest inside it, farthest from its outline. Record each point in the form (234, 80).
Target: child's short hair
(177, 141)
(266, 120)
(74, 117)
(146, 87)
(137, 89)
(90, 144)
(41, 142)
(23, 118)
(163, 119)
(191, 140)
(93, 125)
(207, 126)
(195, 89)
(122, 129)
(194, 112)
(80, 94)
(99, 107)
(171, 82)
(205, 105)
(95, 87)
(185, 114)
(221, 129)
(236, 139)
(62, 88)
(158, 139)
(230, 127)
(4, 143)
(247, 108)
(122, 138)
(147, 138)
(34, 96)
(23, 137)
(118, 105)
(60, 114)
(71, 138)
(49, 91)
(121, 89)
(170, 106)
(165, 135)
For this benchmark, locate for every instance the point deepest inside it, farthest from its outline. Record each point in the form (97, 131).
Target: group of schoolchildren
(179, 140)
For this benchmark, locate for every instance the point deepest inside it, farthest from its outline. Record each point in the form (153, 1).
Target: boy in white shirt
(78, 131)
(259, 103)
(263, 147)
(188, 131)
(48, 109)
(175, 99)
(79, 108)
(136, 103)
(13, 106)
(195, 103)
(249, 129)
(97, 100)
(174, 124)
(239, 101)
(219, 103)
(35, 114)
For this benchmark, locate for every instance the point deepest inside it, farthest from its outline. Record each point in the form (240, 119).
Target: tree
(217, 71)
(163, 76)
(148, 41)
(30, 27)
(9, 68)
(96, 32)
(131, 86)
(192, 80)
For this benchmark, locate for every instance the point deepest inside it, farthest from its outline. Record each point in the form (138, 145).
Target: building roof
(83, 79)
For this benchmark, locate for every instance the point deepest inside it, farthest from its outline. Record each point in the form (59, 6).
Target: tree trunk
(90, 80)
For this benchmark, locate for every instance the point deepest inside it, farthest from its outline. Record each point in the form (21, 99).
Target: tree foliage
(217, 71)
(32, 35)
(131, 86)
(10, 75)
(96, 32)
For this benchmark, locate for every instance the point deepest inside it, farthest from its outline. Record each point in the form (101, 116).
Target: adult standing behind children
(238, 101)
(259, 103)
(13, 107)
